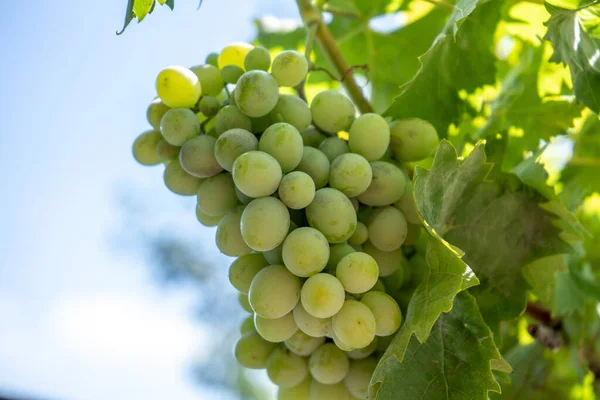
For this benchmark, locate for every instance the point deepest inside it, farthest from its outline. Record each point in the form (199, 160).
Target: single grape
(243, 270)
(354, 324)
(387, 261)
(328, 364)
(210, 79)
(387, 228)
(407, 205)
(310, 325)
(289, 68)
(388, 316)
(252, 351)
(333, 147)
(231, 74)
(276, 330)
(360, 235)
(207, 220)
(178, 181)
(387, 185)
(197, 157)
(322, 295)
(413, 139)
(209, 106)
(305, 252)
(144, 148)
(333, 214)
(232, 144)
(274, 292)
(358, 272)
(216, 195)
(312, 137)
(265, 223)
(296, 190)
(155, 112)
(283, 142)
(247, 325)
(257, 58)
(178, 87)
(235, 54)
(319, 391)
(212, 59)
(364, 352)
(256, 173)
(292, 110)
(350, 173)
(245, 303)
(332, 111)
(315, 164)
(256, 93)
(229, 236)
(166, 151)
(298, 392)
(336, 253)
(359, 376)
(179, 125)
(229, 117)
(369, 136)
(302, 344)
(286, 369)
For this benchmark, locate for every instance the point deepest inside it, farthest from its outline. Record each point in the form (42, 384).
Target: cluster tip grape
(314, 202)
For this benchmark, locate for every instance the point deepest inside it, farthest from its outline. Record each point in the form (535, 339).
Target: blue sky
(82, 317)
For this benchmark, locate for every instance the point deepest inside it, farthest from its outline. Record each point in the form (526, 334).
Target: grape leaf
(541, 275)
(454, 363)
(578, 48)
(141, 8)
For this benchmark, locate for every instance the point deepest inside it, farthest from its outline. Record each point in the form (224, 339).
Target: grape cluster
(314, 203)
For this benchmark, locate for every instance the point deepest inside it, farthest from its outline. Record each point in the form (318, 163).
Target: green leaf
(129, 15)
(170, 4)
(141, 8)
(578, 48)
(454, 363)
(541, 275)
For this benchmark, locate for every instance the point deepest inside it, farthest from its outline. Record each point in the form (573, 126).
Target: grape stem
(204, 123)
(312, 17)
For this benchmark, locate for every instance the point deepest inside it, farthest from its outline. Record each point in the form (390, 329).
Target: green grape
(166, 151)
(310, 325)
(197, 157)
(231, 74)
(179, 125)
(302, 344)
(247, 325)
(243, 270)
(332, 111)
(319, 391)
(407, 205)
(387, 185)
(256, 173)
(216, 195)
(312, 137)
(235, 54)
(305, 252)
(296, 190)
(261, 124)
(354, 324)
(209, 106)
(207, 220)
(256, 93)
(333, 147)
(274, 292)
(276, 330)
(387, 228)
(242, 197)
(358, 272)
(336, 253)
(333, 214)
(212, 59)
(359, 377)
(286, 369)
(210, 79)
(178, 87)
(275, 256)
(144, 148)
(229, 117)
(413, 139)
(257, 58)
(180, 182)
(232, 144)
(315, 164)
(328, 364)
(252, 351)
(364, 352)
(350, 173)
(265, 223)
(387, 261)
(292, 110)
(388, 316)
(360, 235)
(229, 237)
(322, 295)
(298, 392)
(155, 112)
(284, 143)
(341, 345)
(289, 68)
(245, 302)
(369, 136)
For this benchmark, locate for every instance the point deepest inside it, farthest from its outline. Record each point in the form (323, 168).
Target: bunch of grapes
(314, 203)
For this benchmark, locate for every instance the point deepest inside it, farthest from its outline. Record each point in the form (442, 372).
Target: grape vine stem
(312, 18)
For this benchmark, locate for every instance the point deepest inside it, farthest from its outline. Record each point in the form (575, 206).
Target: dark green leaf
(129, 15)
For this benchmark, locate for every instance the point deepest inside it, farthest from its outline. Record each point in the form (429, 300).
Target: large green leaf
(454, 362)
